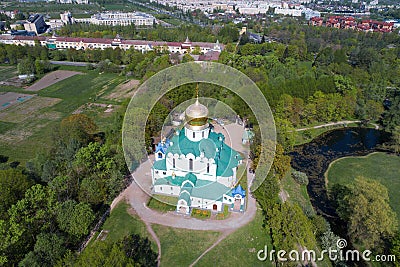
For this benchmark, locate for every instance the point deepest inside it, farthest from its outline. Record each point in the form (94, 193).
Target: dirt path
(222, 237)
(333, 124)
(138, 199)
(283, 195)
(155, 237)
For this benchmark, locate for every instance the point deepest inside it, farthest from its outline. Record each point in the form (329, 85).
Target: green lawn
(7, 72)
(120, 224)
(180, 247)
(241, 247)
(163, 203)
(5, 126)
(22, 141)
(297, 193)
(378, 166)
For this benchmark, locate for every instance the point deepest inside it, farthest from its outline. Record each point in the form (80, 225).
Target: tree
(31, 215)
(26, 66)
(104, 254)
(39, 67)
(92, 190)
(139, 250)
(75, 218)
(187, 58)
(396, 139)
(79, 127)
(290, 228)
(300, 177)
(49, 248)
(395, 248)
(13, 184)
(365, 206)
(391, 116)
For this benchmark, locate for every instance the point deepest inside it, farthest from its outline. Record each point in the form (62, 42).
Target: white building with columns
(198, 167)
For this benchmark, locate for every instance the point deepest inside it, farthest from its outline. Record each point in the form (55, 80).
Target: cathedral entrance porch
(183, 210)
(237, 203)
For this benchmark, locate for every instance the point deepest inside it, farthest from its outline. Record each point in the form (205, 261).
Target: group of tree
(364, 206)
(225, 34)
(48, 207)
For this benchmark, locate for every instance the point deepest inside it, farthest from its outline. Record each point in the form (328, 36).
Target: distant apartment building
(342, 22)
(35, 23)
(79, 2)
(123, 19)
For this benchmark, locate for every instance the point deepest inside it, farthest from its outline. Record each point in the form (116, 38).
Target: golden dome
(196, 110)
(196, 114)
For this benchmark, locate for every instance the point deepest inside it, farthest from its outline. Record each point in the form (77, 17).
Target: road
(70, 63)
(333, 124)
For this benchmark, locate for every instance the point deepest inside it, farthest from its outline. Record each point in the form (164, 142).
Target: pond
(314, 158)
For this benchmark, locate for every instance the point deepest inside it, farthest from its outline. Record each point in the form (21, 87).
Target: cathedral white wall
(157, 174)
(227, 199)
(199, 166)
(208, 204)
(159, 156)
(196, 135)
(167, 190)
(227, 181)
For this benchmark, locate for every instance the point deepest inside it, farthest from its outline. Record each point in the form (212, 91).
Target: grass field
(163, 203)
(7, 72)
(180, 247)
(241, 247)
(297, 193)
(26, 128)
(378, 166)
(120, 224)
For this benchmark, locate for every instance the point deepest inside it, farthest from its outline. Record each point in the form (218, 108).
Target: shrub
(300, 177)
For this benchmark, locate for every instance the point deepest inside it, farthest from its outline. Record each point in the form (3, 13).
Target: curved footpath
(334, 124)
(138, 199)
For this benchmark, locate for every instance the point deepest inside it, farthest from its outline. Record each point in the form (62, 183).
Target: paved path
(333, 124)
(138, 199)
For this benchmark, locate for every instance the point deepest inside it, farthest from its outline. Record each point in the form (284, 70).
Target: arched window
(194, 135)
(190, 164)
(208, 167)
(159, 155)
(202, 134)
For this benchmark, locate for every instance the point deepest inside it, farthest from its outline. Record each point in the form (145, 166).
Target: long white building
(123, 19)
(117, 42)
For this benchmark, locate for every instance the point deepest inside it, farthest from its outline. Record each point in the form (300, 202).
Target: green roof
(161, 181)
(186, 184)
(185, 196)
(213, 191)
(160, 165)
(191, 177)
(226, 158)
(177, 180)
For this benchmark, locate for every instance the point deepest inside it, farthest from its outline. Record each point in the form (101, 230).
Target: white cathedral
(198, 167)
